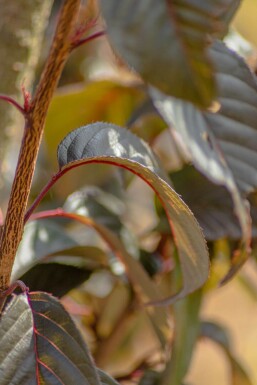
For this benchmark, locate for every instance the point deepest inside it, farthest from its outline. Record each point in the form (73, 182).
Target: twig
(34, 125)
(13, 102)
(4, 294)
(42, 193)
(87, 39)
(14, 286)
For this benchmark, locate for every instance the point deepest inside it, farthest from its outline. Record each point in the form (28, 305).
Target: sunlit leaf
(166, 41)
(106, 143)
(41, 345)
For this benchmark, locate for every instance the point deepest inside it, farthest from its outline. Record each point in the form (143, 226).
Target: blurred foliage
(81, 267)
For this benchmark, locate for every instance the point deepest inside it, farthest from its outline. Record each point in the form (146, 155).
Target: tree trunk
(22, 26)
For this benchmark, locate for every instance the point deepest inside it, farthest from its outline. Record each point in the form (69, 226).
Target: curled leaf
(106, 143)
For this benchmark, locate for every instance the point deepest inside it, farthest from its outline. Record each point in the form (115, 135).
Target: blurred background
(97, 86)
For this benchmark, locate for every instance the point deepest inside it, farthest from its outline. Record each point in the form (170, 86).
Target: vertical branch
(22, 26)
(35, 121)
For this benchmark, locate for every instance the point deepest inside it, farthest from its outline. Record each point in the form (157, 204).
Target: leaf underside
(106, 143)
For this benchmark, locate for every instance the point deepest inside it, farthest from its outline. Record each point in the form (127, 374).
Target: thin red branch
(26, 98)
(82, 29)
(87, 39)
(12, 230)
(13, 102)
(14, 286)
(42, 194)
(4, 294)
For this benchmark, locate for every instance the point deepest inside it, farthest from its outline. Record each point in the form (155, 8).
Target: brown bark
(22, 25)
(35, 120)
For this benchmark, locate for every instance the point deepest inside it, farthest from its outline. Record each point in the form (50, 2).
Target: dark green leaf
(41, 345)
(211, 204)
(63, 264)
(217, 334)
(54, 278)
(231, 132)
(151, 262)
(166, 41)
(223, 145)
(106, 143)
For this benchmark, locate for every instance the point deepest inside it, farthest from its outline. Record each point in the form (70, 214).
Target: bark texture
(22, 25)
(35, 120)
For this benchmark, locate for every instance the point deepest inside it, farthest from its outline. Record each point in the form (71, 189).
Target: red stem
(12, 287)
(43, 193)
(87, 39)
(13, 102)
(59, 212)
